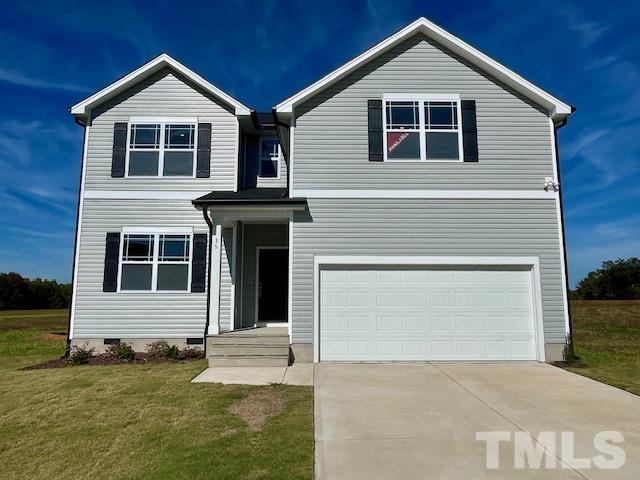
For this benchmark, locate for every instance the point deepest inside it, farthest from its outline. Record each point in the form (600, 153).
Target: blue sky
(53, 54)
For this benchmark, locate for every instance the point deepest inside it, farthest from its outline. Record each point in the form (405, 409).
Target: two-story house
(403, 207)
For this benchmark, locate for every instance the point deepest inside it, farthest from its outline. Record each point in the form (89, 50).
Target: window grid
(270, 154)
(155, 260)
(424, 127)
(161, 144)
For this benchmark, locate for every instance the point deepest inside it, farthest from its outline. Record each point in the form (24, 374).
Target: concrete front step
(247, 339)
(249, 361)
(249, 350)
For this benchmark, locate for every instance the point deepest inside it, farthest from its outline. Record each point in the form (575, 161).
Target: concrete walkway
(419, 421)
(296, 374)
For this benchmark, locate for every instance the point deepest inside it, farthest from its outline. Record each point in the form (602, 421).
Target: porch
(248, 322)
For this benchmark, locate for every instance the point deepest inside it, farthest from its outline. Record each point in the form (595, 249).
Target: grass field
(149, 422)
(138, 421)
(607, 340)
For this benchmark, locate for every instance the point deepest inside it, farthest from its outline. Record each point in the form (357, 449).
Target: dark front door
(273, 284)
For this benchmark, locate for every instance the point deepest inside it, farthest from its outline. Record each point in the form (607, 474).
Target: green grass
(606, 336)
(134, 421)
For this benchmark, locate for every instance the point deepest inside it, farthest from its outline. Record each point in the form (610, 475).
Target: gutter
(561, 124)
(205, 213)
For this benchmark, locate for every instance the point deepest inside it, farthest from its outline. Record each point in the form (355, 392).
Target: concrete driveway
(419, 421)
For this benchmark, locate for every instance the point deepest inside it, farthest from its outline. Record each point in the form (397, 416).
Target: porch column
(214, 299)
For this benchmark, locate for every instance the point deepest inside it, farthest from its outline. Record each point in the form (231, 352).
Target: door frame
(283, 323)
(430, 261)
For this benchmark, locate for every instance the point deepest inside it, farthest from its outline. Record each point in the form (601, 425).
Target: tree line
(20, 293)
(615, 280)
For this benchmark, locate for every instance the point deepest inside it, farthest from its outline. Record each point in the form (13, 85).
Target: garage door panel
(422, 314)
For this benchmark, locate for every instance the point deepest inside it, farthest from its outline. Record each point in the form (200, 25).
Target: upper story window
(269, 158)
(422, 129)
(165, 149)
(157, 262)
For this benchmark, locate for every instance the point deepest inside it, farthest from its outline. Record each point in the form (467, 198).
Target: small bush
(157, 348)
(80, 355)
(122, 351)
(190, 352)
(172, 352)
(162, 349)
(569, 354)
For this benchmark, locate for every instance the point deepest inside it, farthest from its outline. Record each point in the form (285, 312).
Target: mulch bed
(107, 359)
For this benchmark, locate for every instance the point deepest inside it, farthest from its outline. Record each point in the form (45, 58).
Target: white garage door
(383, 314)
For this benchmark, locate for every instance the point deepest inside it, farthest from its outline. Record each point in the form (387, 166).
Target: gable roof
(161, 61)
(557, 108)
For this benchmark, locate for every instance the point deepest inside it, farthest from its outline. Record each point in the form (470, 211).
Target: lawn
(607, 340)
(139, 421)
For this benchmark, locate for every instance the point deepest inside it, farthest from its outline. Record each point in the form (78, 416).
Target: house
(404, 207)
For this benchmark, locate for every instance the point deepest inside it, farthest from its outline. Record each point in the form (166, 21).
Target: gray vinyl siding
(254, 236)
(164, 94)
(427, 227)
(331, 146)
(130, 315)
(226, 281)
(252, 152)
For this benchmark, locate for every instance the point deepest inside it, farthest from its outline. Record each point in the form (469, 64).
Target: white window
(161, 148)
(422, 128)
(155, 262)
(269, 158)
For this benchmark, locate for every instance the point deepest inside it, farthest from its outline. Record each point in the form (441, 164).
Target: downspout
(285, 152)
(562, 123)
(205, 213)
(67, 348)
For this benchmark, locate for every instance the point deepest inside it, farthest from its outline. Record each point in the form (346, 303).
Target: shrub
(157, 348)
(190, 352)
(569, 354)
(122, 351)
(160, 348)
(80, 355)
(172, 352)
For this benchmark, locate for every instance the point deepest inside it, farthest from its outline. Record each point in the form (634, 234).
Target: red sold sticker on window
(394, 139)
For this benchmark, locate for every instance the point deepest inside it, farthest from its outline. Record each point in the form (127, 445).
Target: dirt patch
(258, 407)
(106, 359)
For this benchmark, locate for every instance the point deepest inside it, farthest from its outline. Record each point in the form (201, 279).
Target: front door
(273, 284)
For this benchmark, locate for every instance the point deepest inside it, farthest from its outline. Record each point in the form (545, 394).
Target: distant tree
(615, 280)
(20, 293)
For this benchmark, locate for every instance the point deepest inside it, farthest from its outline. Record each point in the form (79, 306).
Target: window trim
(155, 232)
(163, 122)
(269, 137)
(422, 130)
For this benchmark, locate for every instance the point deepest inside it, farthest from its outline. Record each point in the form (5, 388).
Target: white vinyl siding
(452, 227)
(163, 94)
(331, 130)
(226, 282)
(129, 315)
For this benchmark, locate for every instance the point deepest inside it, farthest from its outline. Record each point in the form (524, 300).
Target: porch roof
(252, 196)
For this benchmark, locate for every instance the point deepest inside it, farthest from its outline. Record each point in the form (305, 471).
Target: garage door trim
(429, 261)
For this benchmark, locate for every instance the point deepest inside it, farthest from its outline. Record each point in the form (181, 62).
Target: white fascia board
(161, 61)
(556, 107)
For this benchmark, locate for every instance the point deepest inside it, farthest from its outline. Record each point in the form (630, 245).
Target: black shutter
(119, 149)
(199, 263)
(469, 130)
(111, 256)
(204, 150)
(375, 131)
